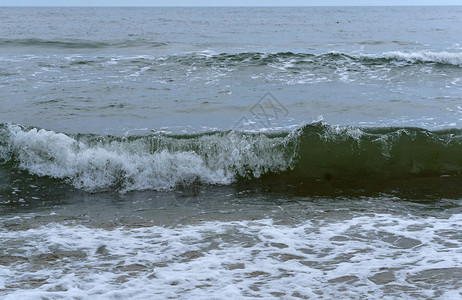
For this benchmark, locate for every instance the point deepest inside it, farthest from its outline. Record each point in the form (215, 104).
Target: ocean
(231, 153)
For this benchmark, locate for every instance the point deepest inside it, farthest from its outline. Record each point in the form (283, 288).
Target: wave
(445, 58)
(158, 162)
(77, 43)
(311, 152)
(207, 57)
(300, 59)
(296, 62)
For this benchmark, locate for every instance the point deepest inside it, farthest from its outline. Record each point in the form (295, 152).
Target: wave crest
(447, 58)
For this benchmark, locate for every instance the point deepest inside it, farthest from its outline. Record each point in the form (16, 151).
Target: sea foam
(152, 162)
(449, 58)
(366, 255)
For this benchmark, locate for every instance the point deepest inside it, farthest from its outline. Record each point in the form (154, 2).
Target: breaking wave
(315, 151)
(445, 58)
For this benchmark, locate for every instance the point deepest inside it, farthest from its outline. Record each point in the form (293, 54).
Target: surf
(312, 152)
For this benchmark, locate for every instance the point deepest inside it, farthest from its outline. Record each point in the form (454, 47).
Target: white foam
(451, 58)
(370, 256)
(214, 159)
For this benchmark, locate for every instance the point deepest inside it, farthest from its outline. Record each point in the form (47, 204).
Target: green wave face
(328, 151)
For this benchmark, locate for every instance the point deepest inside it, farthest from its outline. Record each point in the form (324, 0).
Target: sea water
(152, 153)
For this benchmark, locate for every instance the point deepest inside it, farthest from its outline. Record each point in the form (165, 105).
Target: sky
(224, 2)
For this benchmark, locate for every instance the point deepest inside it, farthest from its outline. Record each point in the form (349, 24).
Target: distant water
(230, 152)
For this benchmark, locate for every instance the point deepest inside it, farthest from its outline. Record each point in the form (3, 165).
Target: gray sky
(222, 2)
